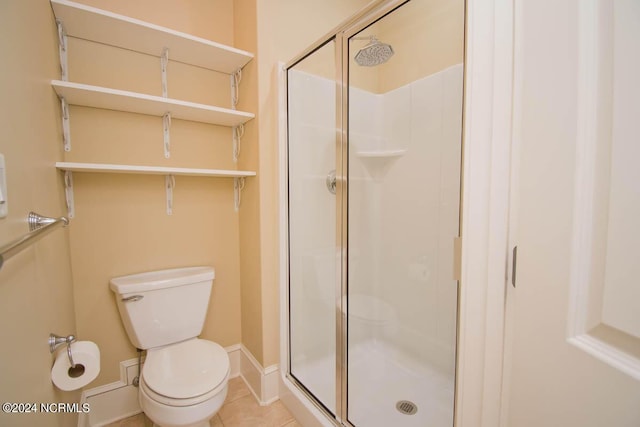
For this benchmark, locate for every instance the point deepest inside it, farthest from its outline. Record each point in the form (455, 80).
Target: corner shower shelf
(378, 162)
(133, 102)
(381, 153)
(168, 172)
(110, 28)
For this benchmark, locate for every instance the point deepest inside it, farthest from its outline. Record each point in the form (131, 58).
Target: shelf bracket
(235, 79)
(238, 185)
(62, 49)
(238, 133)
(164, 61)
(166, 131)
(68, 192)
(170, 184)
(66, 128)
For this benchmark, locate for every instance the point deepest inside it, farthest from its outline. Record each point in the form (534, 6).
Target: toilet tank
(163, 307)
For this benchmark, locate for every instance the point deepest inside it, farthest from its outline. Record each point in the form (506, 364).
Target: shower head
(374, 53)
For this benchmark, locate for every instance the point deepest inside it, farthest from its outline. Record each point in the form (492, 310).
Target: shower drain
(406, 407)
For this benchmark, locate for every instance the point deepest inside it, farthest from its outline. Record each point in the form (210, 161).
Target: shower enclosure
(374, 131)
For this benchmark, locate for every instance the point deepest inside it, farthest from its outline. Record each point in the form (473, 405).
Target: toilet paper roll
(86, 356)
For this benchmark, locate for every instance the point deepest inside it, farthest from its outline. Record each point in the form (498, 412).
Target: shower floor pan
(378, 381)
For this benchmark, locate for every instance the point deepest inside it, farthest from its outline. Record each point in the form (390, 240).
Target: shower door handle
(331, 182)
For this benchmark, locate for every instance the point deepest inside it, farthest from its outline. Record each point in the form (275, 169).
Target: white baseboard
(234, 352)
(118, 400)
(262, 382)
(114, 401)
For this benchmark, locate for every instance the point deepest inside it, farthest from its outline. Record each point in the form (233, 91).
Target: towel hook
(56, 341)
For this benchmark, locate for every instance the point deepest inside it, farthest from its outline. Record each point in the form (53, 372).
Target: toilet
(183, 381)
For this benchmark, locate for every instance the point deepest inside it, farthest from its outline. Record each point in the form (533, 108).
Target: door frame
(487, 181)
(490, 228)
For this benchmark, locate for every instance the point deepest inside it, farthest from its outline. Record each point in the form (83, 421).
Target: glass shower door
(311, 110)
(404, 137)
(372, 299)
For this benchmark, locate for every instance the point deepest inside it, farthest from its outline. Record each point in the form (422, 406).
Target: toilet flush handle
(133, 298)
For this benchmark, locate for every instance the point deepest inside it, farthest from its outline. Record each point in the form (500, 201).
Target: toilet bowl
(184, 379)
(184, 384)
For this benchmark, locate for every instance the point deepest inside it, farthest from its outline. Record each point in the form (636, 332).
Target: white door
(574, 316)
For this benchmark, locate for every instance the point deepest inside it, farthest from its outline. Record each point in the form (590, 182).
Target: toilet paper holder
(56, 341)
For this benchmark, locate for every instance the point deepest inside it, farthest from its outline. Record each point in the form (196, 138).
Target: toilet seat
(173, 402)
(186, 373)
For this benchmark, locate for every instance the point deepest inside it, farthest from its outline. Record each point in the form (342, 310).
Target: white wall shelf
(110, 28)
(89, 23)
(133, 102)
(169, 172)
(150, 170)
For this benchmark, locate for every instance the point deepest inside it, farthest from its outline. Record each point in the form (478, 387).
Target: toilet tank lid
(154, 280)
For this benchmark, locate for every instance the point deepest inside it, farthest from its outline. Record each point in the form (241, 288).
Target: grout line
(238, 397)
(251, 391)
(288, 422)
(221, 422)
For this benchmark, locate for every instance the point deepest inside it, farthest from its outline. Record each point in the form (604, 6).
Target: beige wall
(35, 286)
(120, 225)
(426, 37)
(245, 32)
(285, 28)
(209, 19)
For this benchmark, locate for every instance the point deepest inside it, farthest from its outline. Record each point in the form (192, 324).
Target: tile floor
(240, 409)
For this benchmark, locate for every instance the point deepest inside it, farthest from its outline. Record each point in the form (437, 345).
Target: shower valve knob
(331, 182)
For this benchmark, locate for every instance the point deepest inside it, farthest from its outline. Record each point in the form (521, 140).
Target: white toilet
(184, 378)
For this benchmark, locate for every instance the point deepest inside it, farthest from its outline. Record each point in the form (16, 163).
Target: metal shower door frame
(341, 34)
